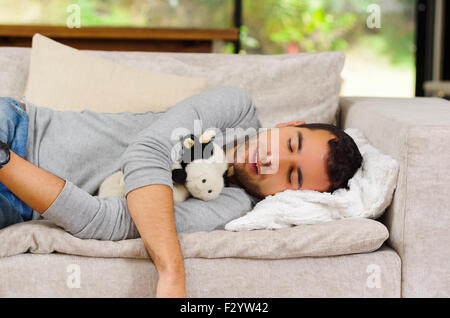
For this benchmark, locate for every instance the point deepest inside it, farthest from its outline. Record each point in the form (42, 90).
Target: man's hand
(151, 208)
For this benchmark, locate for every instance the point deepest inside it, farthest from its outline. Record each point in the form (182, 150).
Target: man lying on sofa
(37, 144)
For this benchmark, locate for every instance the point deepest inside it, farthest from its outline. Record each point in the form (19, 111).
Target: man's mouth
(253, 162)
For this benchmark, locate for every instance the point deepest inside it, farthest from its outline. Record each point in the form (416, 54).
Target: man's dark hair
(344, 158)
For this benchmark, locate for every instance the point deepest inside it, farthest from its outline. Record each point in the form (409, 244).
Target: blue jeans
(14, 132)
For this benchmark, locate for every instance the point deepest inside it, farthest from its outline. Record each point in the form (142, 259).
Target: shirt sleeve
(195, 215)
(90, 217)
(147, 160)
(107, 218)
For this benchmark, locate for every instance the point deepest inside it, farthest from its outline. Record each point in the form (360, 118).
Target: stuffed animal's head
(203, 176)
(204, 180)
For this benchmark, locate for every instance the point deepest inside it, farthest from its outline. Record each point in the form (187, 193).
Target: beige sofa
(413, 263)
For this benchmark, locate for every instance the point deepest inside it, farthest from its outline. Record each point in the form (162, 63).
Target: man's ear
(291, 123)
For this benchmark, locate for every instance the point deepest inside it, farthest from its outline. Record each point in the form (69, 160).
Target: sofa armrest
(416, 132)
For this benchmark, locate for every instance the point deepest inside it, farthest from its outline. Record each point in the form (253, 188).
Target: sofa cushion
(48, 275)
(325, 239)
(64, 78)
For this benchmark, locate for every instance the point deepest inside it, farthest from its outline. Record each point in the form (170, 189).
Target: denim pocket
(17, 107)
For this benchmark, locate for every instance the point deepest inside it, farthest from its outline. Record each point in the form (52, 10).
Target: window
(130, 13)
(380, 61)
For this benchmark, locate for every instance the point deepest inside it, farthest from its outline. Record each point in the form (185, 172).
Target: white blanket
(370, 193)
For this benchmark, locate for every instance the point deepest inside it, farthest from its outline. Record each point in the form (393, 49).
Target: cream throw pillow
(63, 78)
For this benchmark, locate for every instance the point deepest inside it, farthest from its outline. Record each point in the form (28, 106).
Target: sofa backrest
(285, 87)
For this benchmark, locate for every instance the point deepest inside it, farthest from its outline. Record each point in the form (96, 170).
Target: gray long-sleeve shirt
(85, 147)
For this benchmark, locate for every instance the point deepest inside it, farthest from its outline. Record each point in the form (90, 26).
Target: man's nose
(270, 163)
(266, 164)
(269, 159)
(266, 159)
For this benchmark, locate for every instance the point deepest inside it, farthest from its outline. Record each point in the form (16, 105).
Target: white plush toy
(200, 173)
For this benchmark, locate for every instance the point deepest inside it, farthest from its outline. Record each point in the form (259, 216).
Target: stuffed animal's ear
(188, 143)
(179, 175)
(207, 136)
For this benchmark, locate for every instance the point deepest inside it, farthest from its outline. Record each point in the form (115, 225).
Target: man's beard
(241, 174)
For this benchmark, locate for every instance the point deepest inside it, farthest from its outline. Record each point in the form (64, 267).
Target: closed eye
(290, 175)
(291, 170)
(290, 145)
(299, 148)
(299, 142)
(299, 174)
(300, 177)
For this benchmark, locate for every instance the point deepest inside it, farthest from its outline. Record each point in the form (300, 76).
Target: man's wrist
(172, 270)
(5, 154)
